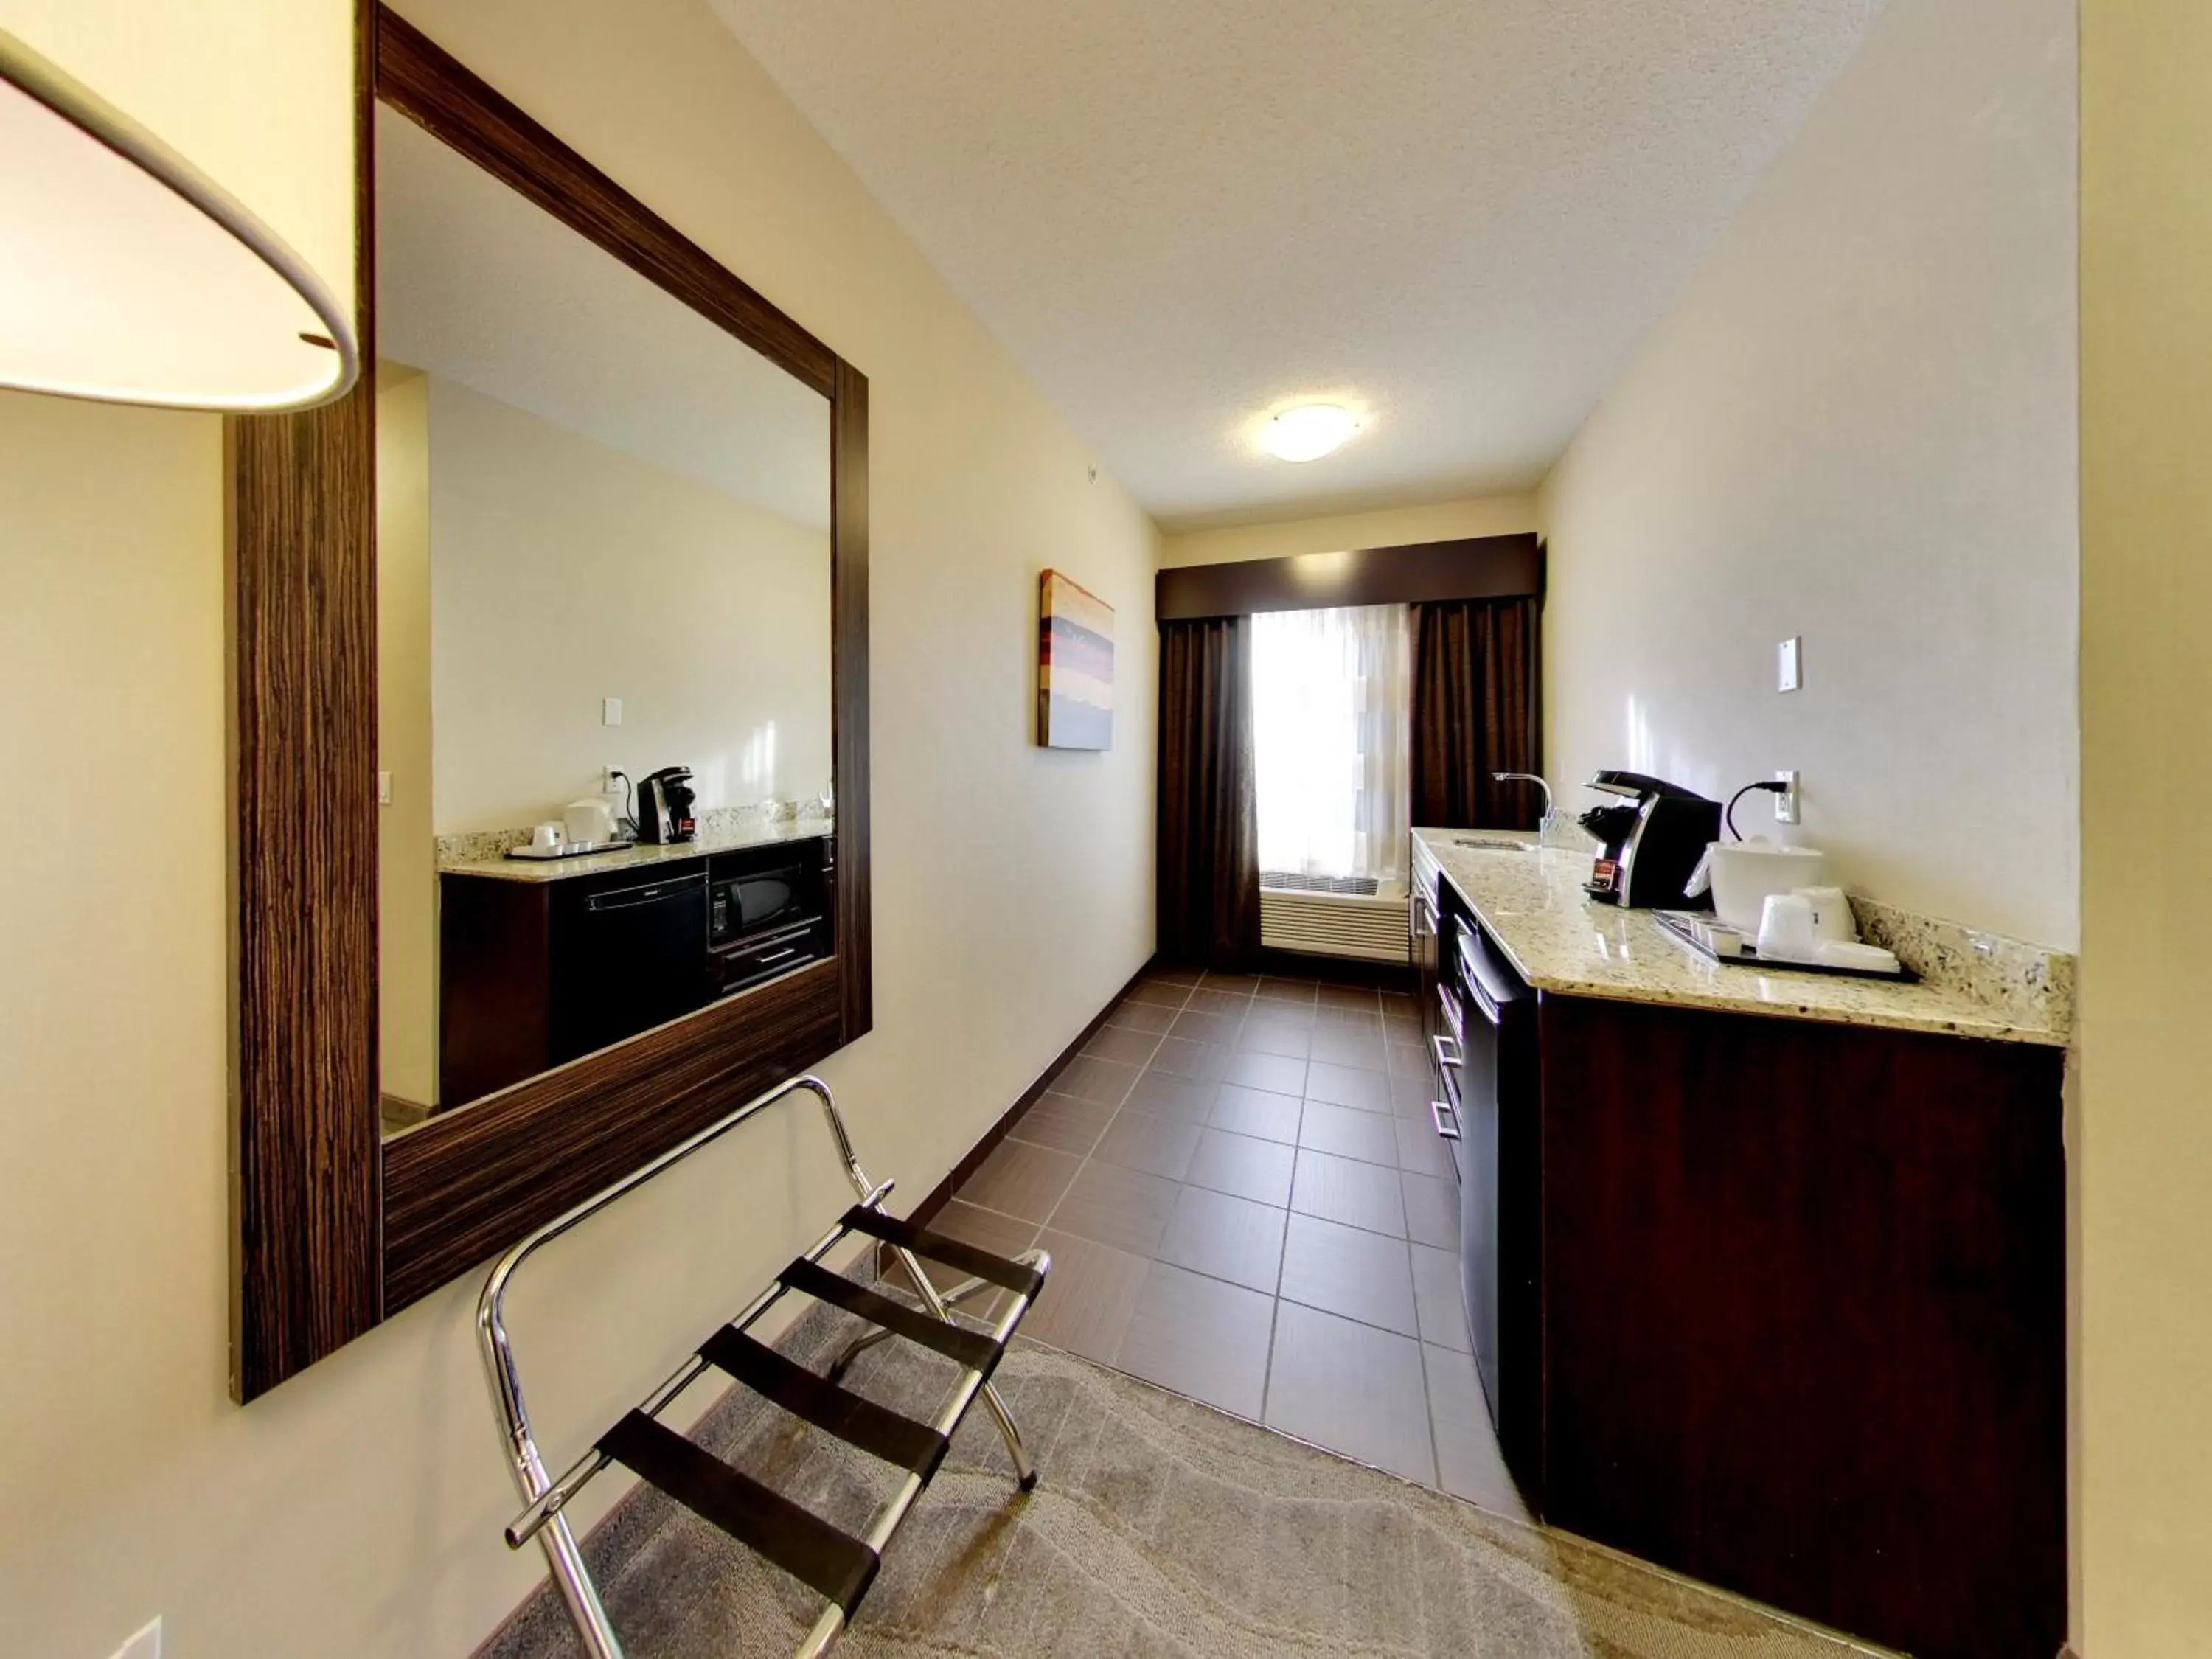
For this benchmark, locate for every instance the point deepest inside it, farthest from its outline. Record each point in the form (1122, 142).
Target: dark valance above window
(1479, 567)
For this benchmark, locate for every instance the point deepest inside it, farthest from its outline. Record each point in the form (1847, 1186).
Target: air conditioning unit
(1333, 916)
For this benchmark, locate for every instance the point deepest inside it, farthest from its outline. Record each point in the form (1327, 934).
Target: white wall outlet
(1786, 804)
(146, 1644)
(610, 711)
(1790, 663)
(608, 774)
(384, 788)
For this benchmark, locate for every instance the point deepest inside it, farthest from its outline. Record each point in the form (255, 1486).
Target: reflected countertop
(1532, 903)
(727, 839)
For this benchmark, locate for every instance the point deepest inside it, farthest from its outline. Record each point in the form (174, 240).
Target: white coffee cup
(1831, 913)
(1785, 929)
(545, 835)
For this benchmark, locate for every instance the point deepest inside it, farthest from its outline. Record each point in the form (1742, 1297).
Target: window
(1331, 696)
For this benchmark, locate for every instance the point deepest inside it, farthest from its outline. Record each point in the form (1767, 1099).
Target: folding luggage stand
(820, 1555)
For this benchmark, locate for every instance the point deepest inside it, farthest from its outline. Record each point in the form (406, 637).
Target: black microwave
(738, 906)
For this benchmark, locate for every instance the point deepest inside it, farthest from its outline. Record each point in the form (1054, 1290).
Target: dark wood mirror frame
(334, 1227)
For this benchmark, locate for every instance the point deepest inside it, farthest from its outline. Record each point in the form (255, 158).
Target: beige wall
(2145, 1236)
(1858, 424)
(1442, 521)
(407, 875)
(564, 572)
(354, 1510)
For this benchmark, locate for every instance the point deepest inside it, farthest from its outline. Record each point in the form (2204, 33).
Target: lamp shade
(177, 201)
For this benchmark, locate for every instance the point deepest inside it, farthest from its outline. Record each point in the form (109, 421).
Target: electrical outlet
(146, 1644)
(1787, 803)
(610, 711)
(1791, 662)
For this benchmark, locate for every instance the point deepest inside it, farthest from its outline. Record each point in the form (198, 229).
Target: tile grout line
(1084, 1162)
(1429, 1410)
(1268, 1374)
(1276, 1297)
(1119, 1106)
(1421, 1371)
(1149, 1259)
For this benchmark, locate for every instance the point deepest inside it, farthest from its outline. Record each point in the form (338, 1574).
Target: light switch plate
(1791, 660)
(610, 711)
(1786, 803)
(146, 1644)
(384, 788)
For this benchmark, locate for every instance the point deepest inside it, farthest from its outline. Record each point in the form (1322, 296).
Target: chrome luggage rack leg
(867, 1339)
(838, 1566)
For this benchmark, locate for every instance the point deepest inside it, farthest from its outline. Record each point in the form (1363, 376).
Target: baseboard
(942, 1193)
(1344, 970)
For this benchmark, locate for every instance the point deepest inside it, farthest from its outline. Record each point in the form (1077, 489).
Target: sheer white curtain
(1331, 712)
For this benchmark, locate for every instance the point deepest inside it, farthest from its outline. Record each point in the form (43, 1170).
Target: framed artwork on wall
(1075, 665)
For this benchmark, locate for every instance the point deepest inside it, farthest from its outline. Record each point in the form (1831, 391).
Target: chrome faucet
(1544, 823)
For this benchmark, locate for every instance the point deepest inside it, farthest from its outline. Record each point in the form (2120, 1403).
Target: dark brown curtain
(1209, 869)
(1476, 710)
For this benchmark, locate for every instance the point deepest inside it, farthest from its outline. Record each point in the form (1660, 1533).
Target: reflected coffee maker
(1649, 849)
(664, 806)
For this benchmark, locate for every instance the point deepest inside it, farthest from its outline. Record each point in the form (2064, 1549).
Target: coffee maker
(664, 806)
(1649, 849)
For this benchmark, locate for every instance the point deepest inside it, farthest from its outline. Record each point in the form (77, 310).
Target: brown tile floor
(1245, 1203)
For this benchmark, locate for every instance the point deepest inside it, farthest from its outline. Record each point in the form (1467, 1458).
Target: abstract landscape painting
(1075, 666)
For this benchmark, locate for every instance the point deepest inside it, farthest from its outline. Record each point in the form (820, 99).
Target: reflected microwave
(738, 906)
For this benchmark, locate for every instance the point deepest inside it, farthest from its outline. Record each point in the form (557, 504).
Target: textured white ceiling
(1179, 214)
(479, 285)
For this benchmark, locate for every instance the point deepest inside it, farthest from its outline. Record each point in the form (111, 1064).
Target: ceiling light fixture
(177, 202)
(1309, 431)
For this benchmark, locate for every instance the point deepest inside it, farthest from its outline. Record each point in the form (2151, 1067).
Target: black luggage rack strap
(828, 1559)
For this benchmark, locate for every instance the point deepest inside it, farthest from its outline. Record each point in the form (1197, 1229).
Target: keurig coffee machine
(1652, 839)
(664, 806)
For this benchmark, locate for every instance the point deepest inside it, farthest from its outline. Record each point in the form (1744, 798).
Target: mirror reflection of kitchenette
(603, 624)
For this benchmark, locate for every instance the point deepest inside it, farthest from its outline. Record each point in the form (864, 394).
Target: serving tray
(570, 849)
(1683, 926)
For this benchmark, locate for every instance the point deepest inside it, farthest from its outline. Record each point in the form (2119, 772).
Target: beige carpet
(1160, 1528)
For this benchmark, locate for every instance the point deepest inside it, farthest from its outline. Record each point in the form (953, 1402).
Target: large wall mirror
(551, 649)
(601, 645)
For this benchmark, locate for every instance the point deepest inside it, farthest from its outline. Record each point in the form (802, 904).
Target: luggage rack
(830, 1560)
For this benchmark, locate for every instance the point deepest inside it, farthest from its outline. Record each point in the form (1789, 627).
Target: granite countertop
(1533, 905)
(725, 840)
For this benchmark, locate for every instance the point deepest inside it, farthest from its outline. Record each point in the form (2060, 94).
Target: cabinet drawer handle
(774, 955)
(1453, 1061)
(1484, 1004)
(1439, 1111)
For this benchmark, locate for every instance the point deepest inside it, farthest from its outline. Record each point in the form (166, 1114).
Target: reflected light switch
(610, 711)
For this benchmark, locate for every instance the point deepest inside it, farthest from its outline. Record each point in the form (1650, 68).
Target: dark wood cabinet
(533, 974)
(1779, 1303)
(1804, 1317)
(494, 979)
